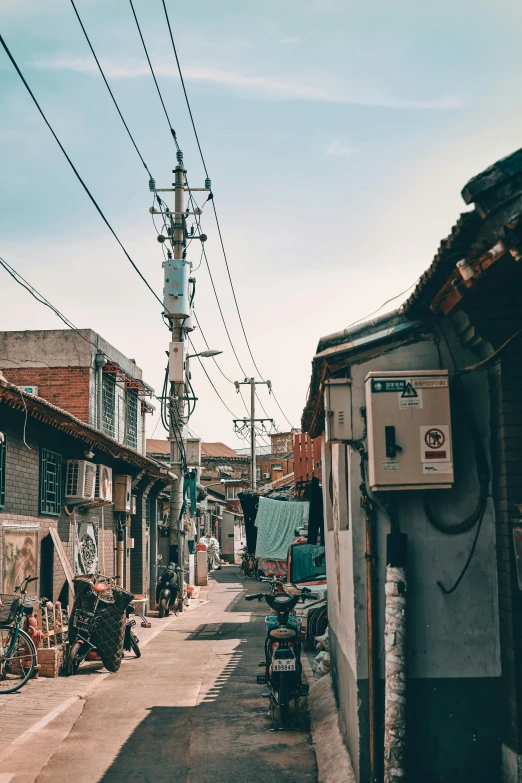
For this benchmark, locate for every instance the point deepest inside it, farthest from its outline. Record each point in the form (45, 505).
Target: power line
(365, 317)
(214, 206)
(42, 300)
(71, 164)
(211, 383)
(193, 202)
(109, 89)
(183, 85)
(173, 132)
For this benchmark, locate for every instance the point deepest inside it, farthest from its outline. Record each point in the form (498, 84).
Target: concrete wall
(453, 649)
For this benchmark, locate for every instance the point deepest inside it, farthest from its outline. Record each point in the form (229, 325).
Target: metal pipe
(253, 430)
(370, 622)
(100, 362)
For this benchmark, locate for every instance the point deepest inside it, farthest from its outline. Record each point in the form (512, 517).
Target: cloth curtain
(314, 494)
(249, 504)
(276, 524)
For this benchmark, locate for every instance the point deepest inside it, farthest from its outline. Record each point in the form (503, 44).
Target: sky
(337, 134)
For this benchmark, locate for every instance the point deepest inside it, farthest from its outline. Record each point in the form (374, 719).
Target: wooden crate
(53, 623)
(50, 661)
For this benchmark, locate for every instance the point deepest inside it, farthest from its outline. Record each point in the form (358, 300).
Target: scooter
(168, 597)
(283, 668)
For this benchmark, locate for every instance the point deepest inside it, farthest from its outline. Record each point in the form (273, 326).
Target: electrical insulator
(179, 157)
(208, 183)
(152, 184)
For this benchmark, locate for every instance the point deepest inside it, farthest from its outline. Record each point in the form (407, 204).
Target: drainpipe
(143, 428)
(370, 626)
(119, 549)
(395, 655)
(100, 362)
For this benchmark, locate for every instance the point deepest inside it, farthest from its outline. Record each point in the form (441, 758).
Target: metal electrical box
(338, 410)
(409, 430)
(122, 493)
(193, 452)
(176, 290)
(177, 354)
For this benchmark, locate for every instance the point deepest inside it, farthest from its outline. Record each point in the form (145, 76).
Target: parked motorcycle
(168, 590)
(130, 640)
(97, 622)
(283, 668)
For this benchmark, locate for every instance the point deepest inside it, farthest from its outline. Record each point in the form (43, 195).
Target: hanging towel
(276, 524)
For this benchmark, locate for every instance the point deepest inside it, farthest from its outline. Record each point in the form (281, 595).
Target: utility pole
(177, 390)
(253, 431)
(177, 301)
(241, 424)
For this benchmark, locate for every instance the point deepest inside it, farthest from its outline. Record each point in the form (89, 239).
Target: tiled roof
(162, 446)
(217, 450)
(50, 414)
(158, 446)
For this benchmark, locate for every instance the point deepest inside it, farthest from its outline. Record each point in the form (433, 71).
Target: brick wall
(65, 387)
(22, 501)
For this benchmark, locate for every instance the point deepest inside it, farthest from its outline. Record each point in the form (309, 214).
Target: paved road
(188, 711)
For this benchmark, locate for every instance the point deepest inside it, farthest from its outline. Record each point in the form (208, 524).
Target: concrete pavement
(188, 711)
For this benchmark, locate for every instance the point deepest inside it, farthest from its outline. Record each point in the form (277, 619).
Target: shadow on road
(226, 737)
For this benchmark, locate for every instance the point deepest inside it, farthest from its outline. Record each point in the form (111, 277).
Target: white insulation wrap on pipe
(395, 675)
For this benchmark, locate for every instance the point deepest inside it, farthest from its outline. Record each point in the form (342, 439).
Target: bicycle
(18, 654)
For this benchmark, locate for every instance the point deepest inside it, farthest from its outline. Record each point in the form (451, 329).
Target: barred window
(50, 482)
(108, 405)
(2, 474)
(131, 423)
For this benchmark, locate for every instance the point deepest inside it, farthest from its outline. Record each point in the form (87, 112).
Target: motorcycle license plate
(283, 665)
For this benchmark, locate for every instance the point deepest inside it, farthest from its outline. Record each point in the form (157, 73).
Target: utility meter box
(122, 493)
(193, 452)
(338, 410)
(409, 430)
(177, 357)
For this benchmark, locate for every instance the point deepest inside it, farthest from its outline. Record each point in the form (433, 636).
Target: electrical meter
(409, 430)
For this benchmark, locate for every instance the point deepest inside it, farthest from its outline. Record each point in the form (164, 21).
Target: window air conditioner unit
(81, 480)
(267, 475)
(103, 489)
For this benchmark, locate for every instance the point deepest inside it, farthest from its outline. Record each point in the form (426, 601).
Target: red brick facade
(65, 387)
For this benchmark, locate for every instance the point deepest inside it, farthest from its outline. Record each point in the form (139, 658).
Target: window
(231, 493)
(277, 466)
(108, 405)
(131, 422)
(258, 473)
(50, 482)
(2, 474)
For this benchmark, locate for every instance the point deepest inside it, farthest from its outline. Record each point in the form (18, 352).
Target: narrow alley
(188, 710)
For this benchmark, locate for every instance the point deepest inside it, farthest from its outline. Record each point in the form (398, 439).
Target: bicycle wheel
(135, 647)
(17, 659)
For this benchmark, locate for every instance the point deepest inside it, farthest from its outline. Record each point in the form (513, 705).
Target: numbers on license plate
(283, 665)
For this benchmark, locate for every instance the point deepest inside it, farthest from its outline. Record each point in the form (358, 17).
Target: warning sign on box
(435, 443)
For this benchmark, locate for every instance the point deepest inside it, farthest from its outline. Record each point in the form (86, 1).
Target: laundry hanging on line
(276, 523)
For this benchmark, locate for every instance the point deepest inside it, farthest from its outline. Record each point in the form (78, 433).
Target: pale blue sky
(337, 134)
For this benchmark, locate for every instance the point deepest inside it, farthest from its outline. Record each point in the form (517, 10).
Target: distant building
(83, 374)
